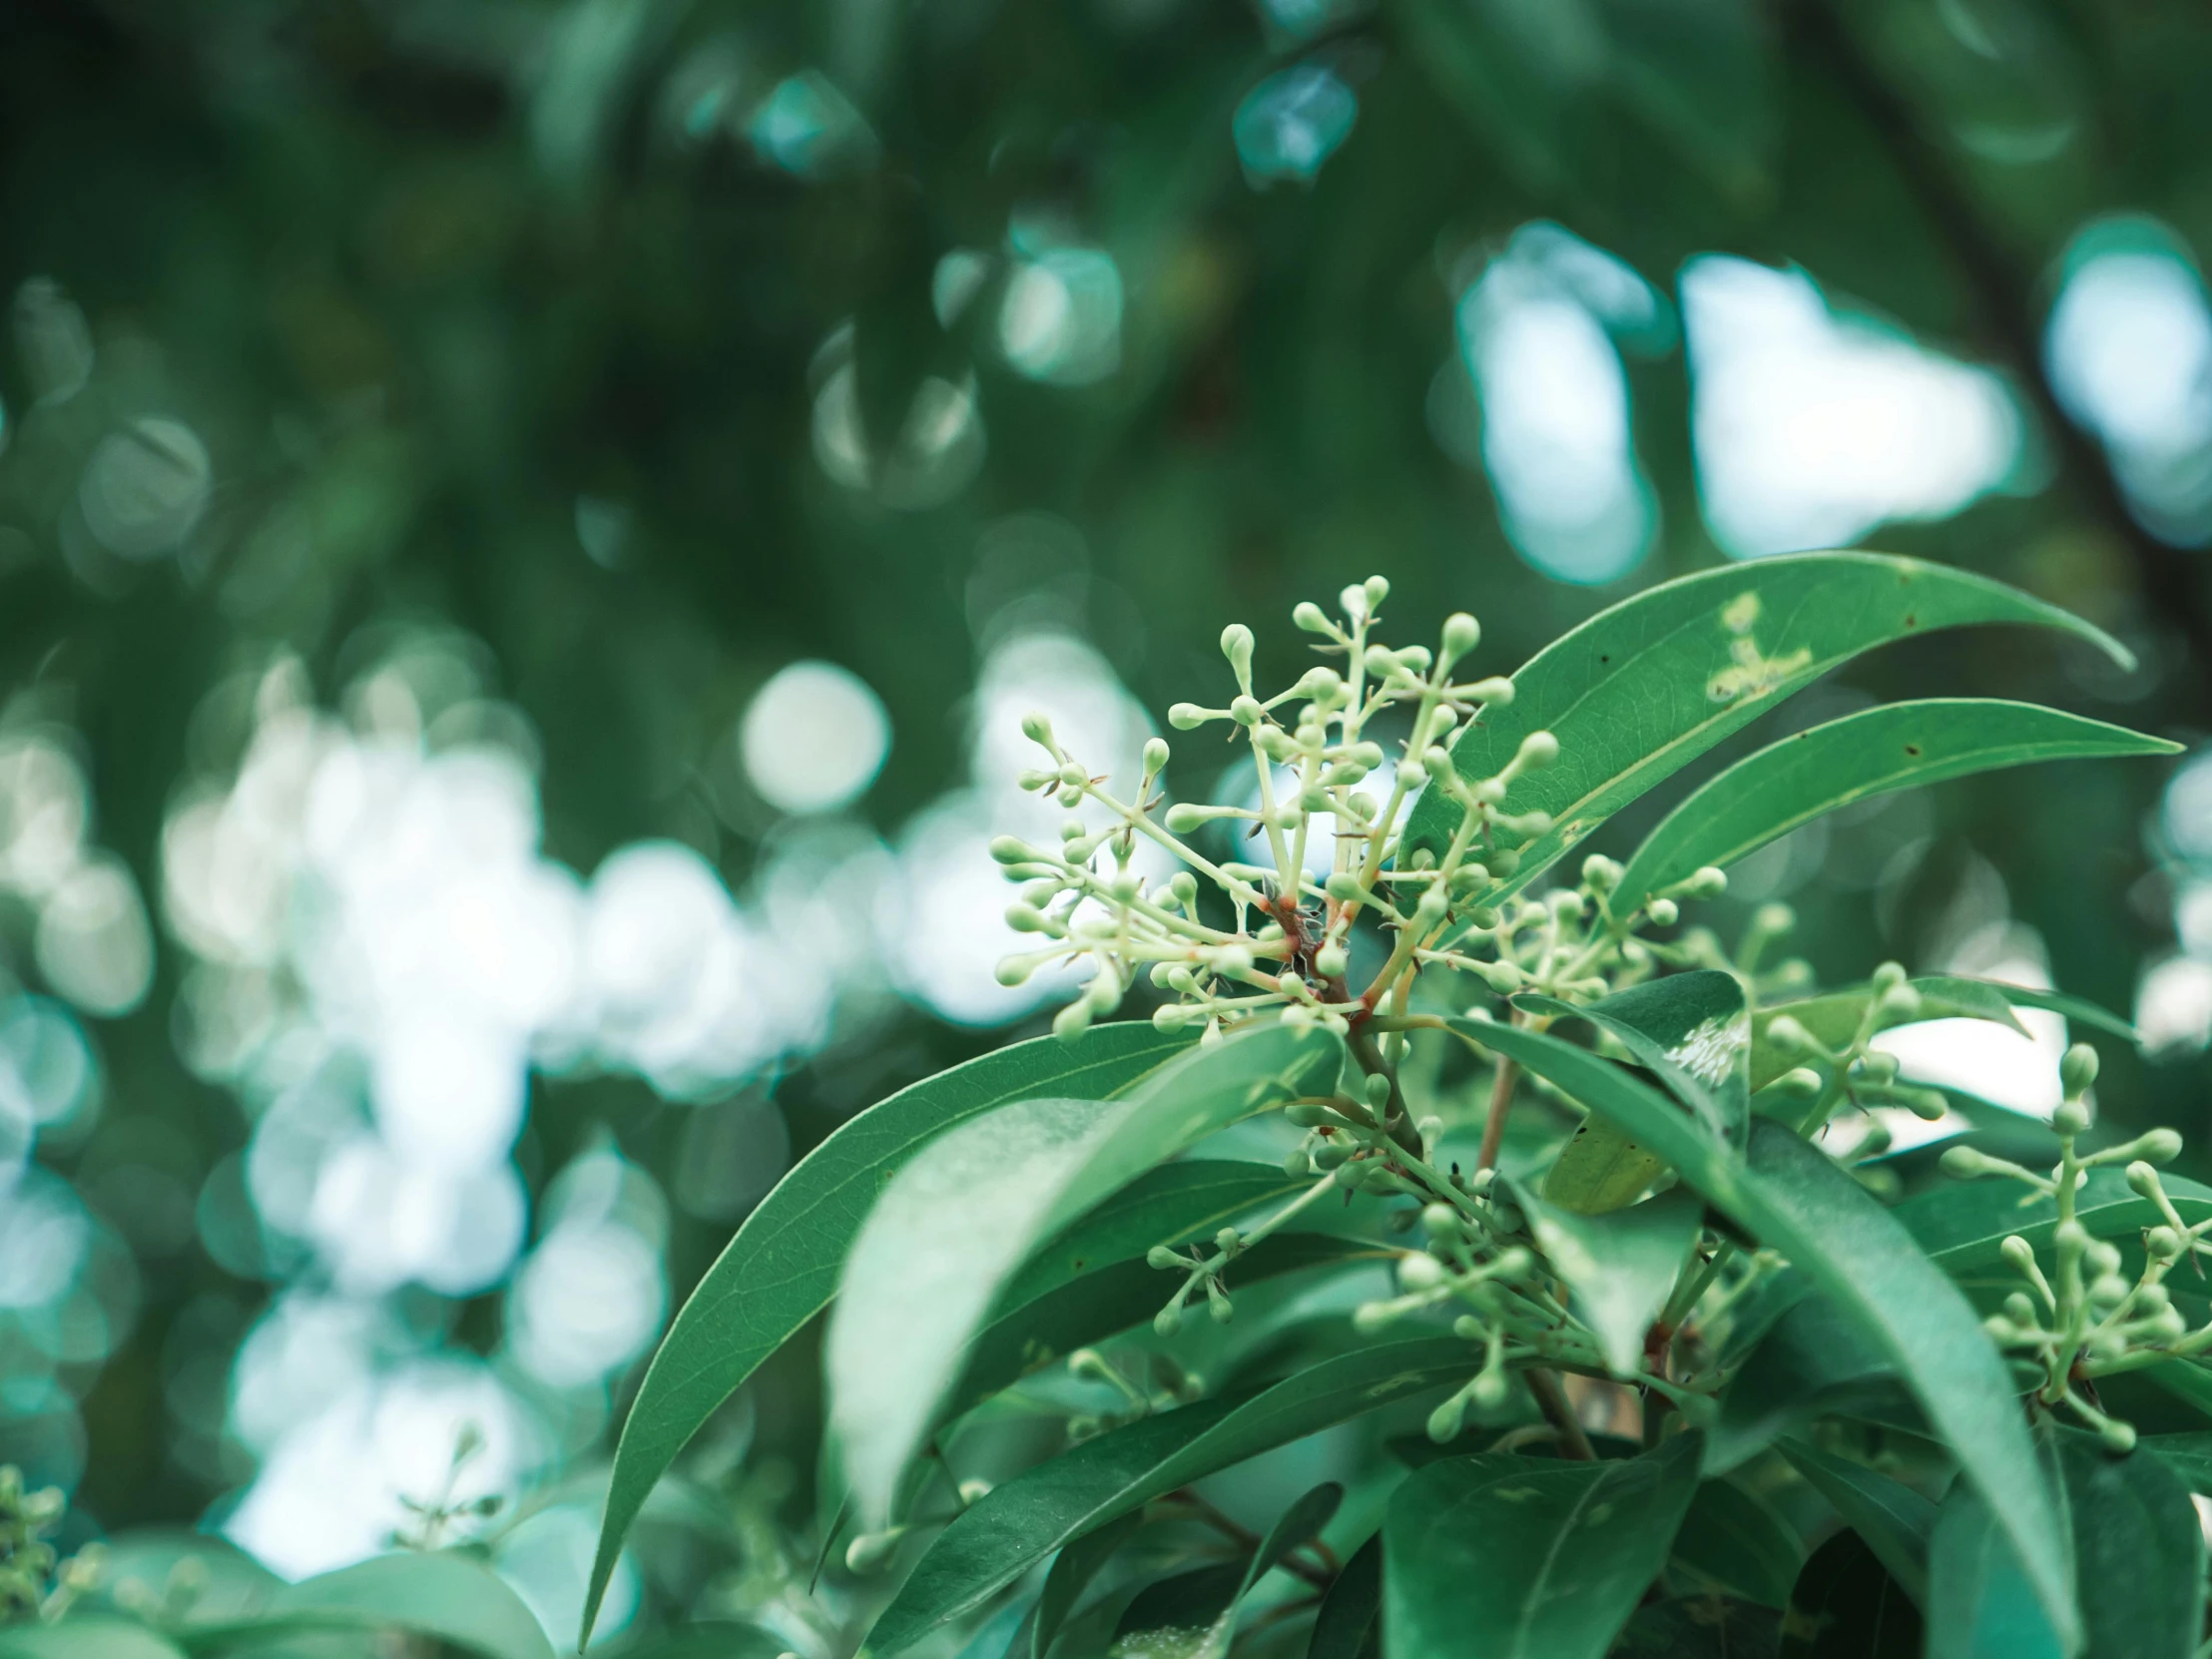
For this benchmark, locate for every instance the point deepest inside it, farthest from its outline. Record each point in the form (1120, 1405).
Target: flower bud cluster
(1228, 940)
(2085, 1318)
(34, 1582)
(1855, 1072)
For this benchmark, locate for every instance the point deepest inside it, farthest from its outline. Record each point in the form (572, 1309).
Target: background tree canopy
(436, 906)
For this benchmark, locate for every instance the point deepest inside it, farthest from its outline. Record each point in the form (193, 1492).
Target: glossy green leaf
(1814, 1361)
(1349, 1623)
(957, 1223)
(710, 1639)
(1301, 1521)
(1001, 1535)
(1962, 1225)
(1895, 1521)
(781, 1269)
(1690, 1031)
(2139, 1565)
(1621, 1265)
(1093, 1281)
(1208, 1600)
(1644, 687)
(1497, 1556)
(1816, 772)
(1737, 1541)
(1846, 1606)
(446, 1597)
(1182, 1613)
(1072, 1572)
(2189, 1455)
(1791, 1196)
(86, 1637)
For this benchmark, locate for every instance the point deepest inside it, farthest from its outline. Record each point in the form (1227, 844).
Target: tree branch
(2167, 577)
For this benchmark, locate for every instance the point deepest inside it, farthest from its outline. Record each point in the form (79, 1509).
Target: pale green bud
(2159, 1146)
(1245, 709)
(869, 1551)
(1497, 691)
(1664, 912)
(1296, 1161)
(1155, 755)
(2118, 1436)
(1169, 1319)
(1503, 977)
(1878, 1068)
(1376, 589)
(2078, 1069)
(1071, 794)
(1600, 874)
(1441, 1221)
(1184, 886)
(1311, 617)
(1344, 887)
(1707, 882)
(2070, 1118)
(1568, 903)
(1799, 1082)
(1310, 1114)
(1036, 728)
(1027, 919)
(1409, 774)
(1900, 1005)
(1886, 978)
(2163, 1244)
(1034, 781)
(2109, 1289)
(1330, 961)
(1235, 644)
(1376, 1090)
(1787, 1036)
(2019, 1308)
(1233, 960)
(1186, 717)
(1074, 1019)
(1420, 1271)
(1964, 1163)
(1183, 818)
(1461, 635)
(1489, 1389)
(1446, 1421)
(1332, 1153)
(1162, 1258)
(1537, 750)
(1011, 850)
(1469, 1328)
(2018, 1253)
(1171, 1017)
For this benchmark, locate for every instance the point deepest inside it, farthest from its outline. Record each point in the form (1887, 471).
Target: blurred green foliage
(622, 336)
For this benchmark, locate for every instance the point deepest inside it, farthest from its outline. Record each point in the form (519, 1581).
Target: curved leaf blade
(1900, 745)
(1505, 1557)
(1644, 687)
(1790, 1195)
(1348, 1622)
(1738, 1542)
(1002, 1534)
(1844, 1607)
(1620, 1265)
(447, 1597)
(1895, 1521)
(85, 1638)
(960, 1220)
(781, 1269)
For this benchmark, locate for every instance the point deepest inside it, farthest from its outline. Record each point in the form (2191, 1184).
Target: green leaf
(86, 1637)
(1304, 1519)
(1701, 1627)
(1813, 1362)
(1962, 1225)
(1190, 1604)
(1895, 1521)
(1833, 1019)
(2188, 1455)
(958, 1220)
(1844, 1607)
(1791, 1196)
(781, 1269)
(450, 1598)
(2139, 1560)
(1002, 1534)
(1691, 1031)
(1093, 1281)
(1738, 1542)
(1349, 1624)
(1504, 1557)
(1621, 1265)
(709, 1640)
(1900, 745)
(1072, 1572)
(1644, 687)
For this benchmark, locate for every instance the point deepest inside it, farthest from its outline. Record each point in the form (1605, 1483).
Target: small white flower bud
(1664, 912)
(1878, 1068)
(1245, 709)
(1036, 728)
(1186, 717)
(2118, 1436)
(1885, 978)
(2102, 1256)
(1010, 849)
(1797, 1083)
(869, 1553)
(1232, 959)
(1964, 1163)
(2018, 1251)
(1027, 919)
(1183, 818)
(1461, 635)
(2019, 1308)
(1707, 882)
(2109, 1289)
(1330, 961)
(1377, 589)
(1497, 691)
(1446, 1421)
(1410, 774)
(1311, 617)
(1488, 1389)
(1900, 1005)
(2070, 1118)
(1503, 977)
(2163, 1244)
(1074, 1019)
(1155, 755)
(1600, 874)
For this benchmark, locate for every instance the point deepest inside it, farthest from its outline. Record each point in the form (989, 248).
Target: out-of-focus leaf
(1621, 1265)
(712, 1639)
(86, 1637)
(1739, 1543)
(448, 1598)
(1812, 1363)
(1963, 1224)
(1506, 1556)
(957, 1221)
(782, 1267)
(1898, 746)
(1844, 1607)
(2189, 1455)
(1000, 1536)
(1699, 72)
(1791, 1196)
(1349, 1624)
(1188, 1604)
(1895, 1521)
(1641, 689)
